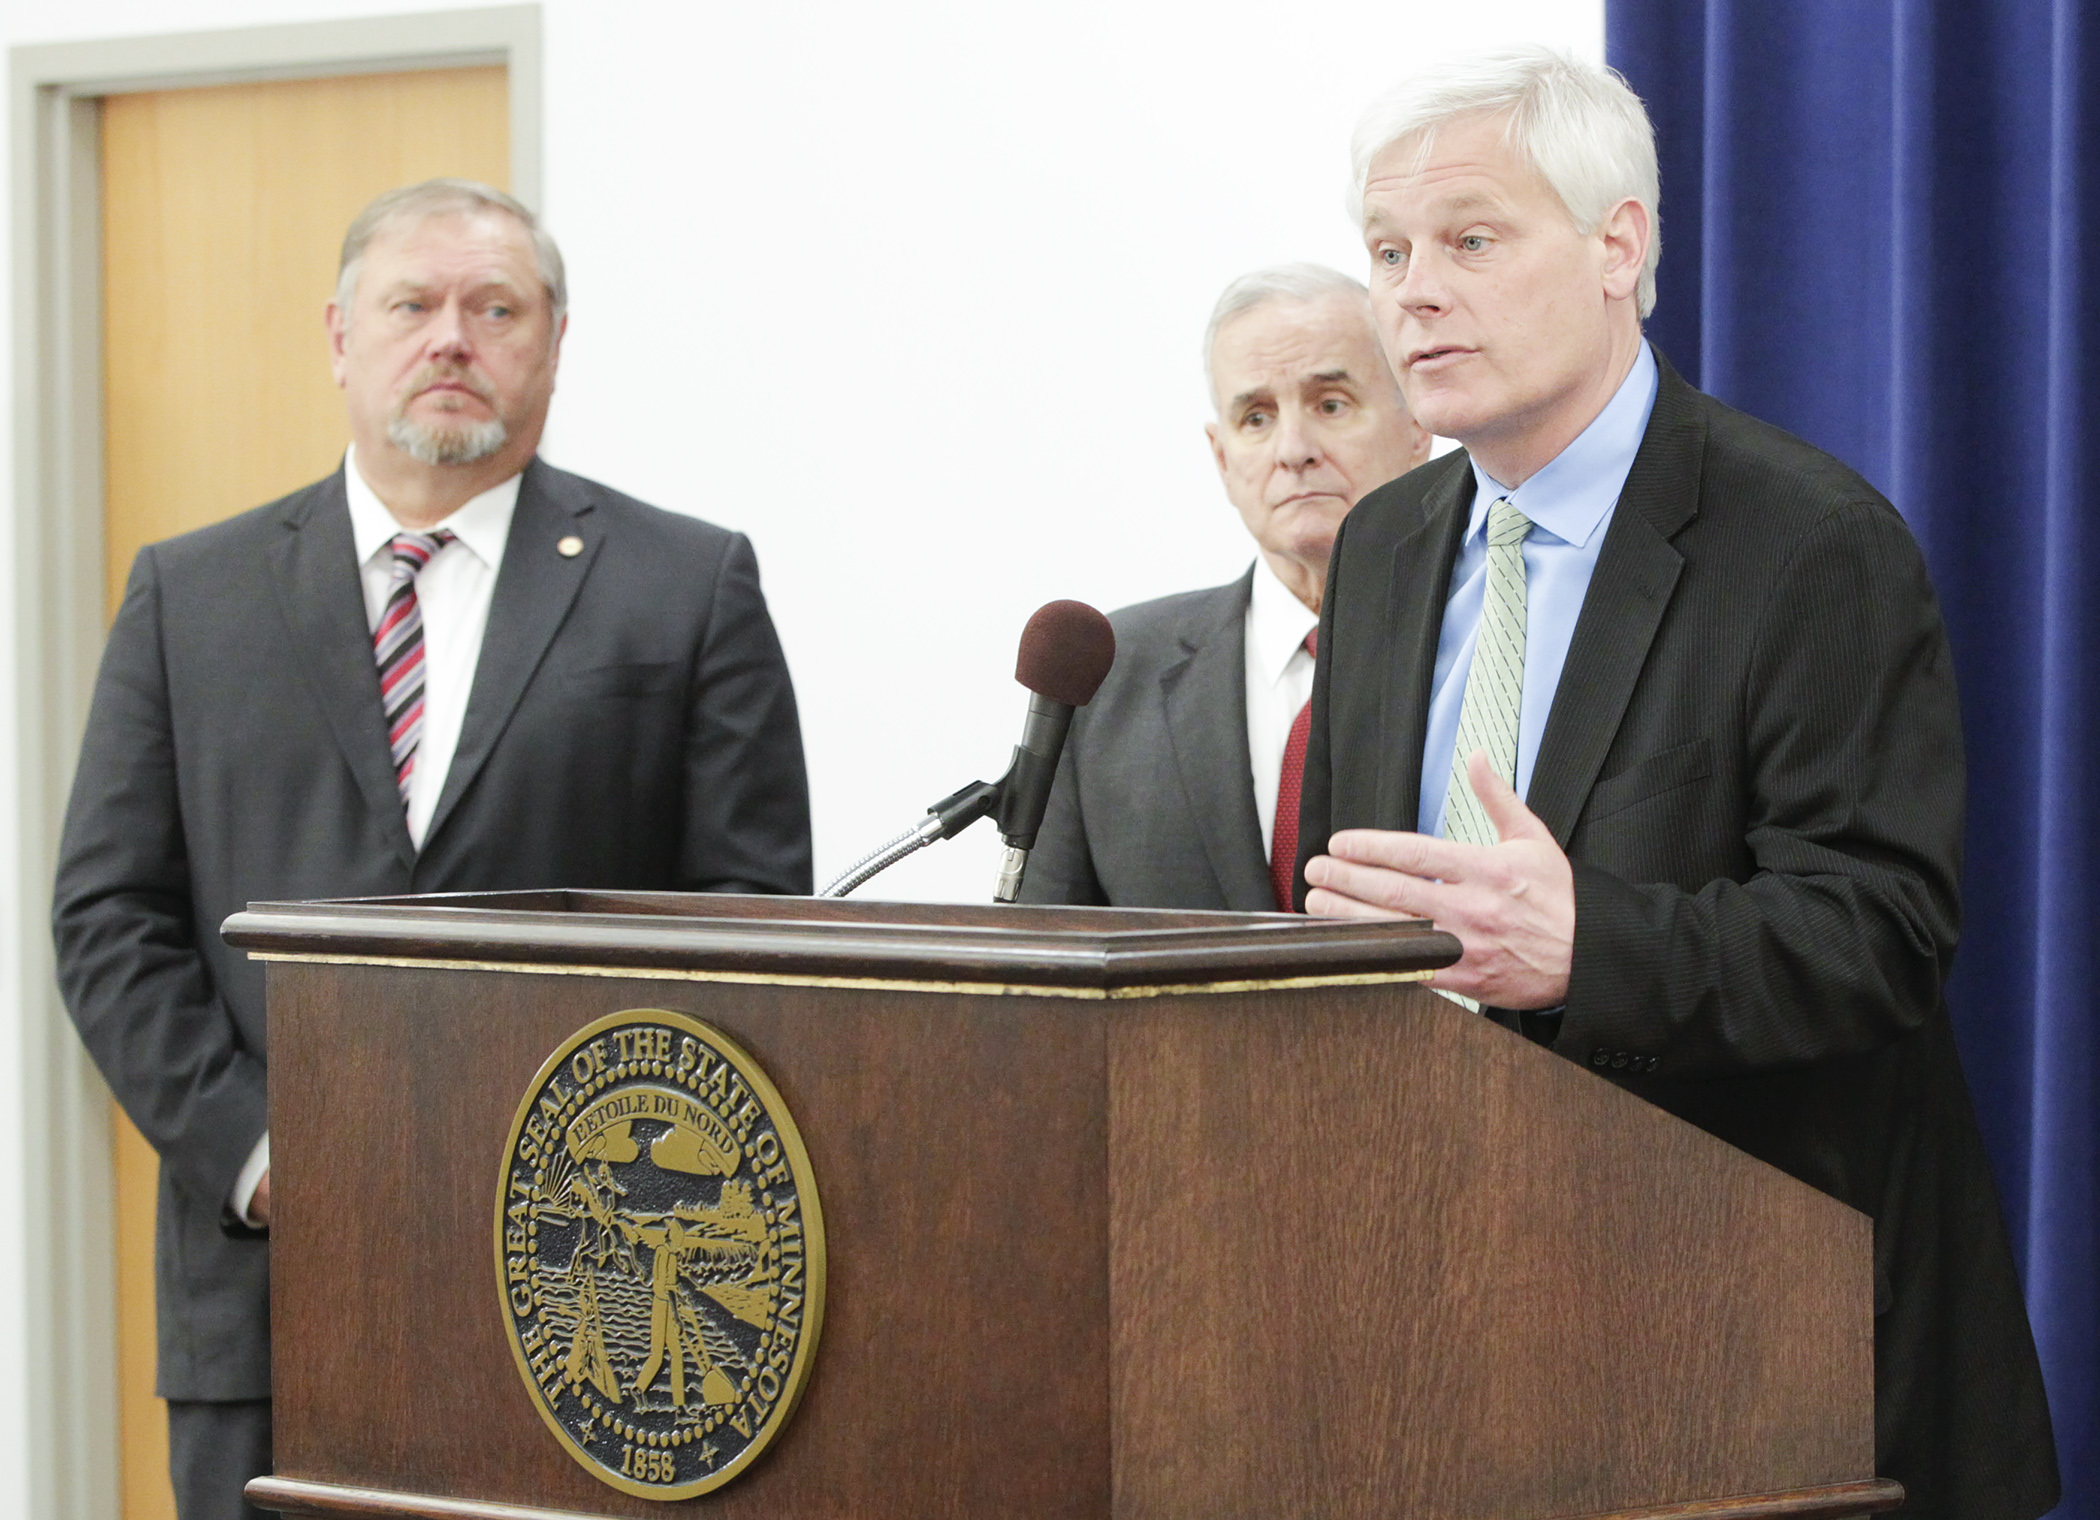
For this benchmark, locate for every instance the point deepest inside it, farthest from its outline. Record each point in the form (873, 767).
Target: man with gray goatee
(447, 667)
(1179, 779)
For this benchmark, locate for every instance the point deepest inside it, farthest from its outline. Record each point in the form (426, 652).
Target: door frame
(63, 1171)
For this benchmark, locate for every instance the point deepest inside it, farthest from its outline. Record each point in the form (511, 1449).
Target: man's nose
(446, 334)
(1297, 442)
(1421, 287)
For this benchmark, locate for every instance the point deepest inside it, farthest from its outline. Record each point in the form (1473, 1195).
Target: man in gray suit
(1167, 793)
(446, 667)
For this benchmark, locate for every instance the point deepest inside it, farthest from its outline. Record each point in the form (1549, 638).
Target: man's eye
(498, 312)
(1472, 242)
(1390, 257)
(1334, 406)
(1255, 421)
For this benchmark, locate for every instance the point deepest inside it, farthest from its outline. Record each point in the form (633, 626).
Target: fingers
(1323, 903)
(1416, 854)
(1349, 889)
(1499, 800)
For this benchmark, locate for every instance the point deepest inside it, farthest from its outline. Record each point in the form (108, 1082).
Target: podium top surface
(1074, 952)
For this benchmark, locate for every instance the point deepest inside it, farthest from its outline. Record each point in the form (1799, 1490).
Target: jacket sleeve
(125, 928)
(747, 792)
(1839, 938)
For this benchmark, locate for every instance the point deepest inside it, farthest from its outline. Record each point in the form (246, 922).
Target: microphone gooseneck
(944, 820)
(1065, 655)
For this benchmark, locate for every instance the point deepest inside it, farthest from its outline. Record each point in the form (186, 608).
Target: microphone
(1066, 651)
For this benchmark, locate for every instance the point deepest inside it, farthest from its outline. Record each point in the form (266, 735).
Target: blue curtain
(1881, 231)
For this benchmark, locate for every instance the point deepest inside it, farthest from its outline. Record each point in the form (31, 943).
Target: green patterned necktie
(1487, 719)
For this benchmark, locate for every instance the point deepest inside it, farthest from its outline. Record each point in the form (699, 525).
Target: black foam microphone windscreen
(1066, 651)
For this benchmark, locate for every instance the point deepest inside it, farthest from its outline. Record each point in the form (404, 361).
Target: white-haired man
(1708, 659)
(446, 667)
(1167, 794)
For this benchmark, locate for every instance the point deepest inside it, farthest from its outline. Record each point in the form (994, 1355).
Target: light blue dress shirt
(1570, 504)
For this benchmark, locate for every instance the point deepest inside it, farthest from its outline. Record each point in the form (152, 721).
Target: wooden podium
(1129, 1214)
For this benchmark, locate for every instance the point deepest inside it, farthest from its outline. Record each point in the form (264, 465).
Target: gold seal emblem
(659, 1253)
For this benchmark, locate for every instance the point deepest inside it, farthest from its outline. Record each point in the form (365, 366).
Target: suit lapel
(314, 566)
(534, 591)
(1414, 620)
(1636, 574)
(1206, 704)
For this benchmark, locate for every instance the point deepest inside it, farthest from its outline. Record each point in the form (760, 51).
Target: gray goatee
(459, 443)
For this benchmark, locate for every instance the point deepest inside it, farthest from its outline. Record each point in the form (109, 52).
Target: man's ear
(1626, 232)
(338, 329)
(1217, 446)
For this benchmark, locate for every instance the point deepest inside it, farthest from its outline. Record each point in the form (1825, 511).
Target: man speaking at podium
(446, 667)
(1168, 791)
(1708, 659)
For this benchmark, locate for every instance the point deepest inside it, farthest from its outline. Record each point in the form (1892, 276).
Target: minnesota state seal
(659, 1253)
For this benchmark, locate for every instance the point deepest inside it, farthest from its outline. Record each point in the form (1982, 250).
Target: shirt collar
(1576, 490)
(1277, 623)
(481, 524)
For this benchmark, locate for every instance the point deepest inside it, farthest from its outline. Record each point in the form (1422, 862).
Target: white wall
(911, 294)
(915, 299)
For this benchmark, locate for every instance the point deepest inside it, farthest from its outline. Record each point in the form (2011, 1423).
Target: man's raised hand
(1511, 904)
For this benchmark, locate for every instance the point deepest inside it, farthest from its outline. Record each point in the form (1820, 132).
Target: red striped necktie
(397, 643)
(1283, 851)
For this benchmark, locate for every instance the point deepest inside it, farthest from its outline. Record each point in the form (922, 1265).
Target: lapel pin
(569, 547)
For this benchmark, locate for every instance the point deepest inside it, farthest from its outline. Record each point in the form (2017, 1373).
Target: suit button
(1620, 1061)
(1600, 1058)
(1653, 1062)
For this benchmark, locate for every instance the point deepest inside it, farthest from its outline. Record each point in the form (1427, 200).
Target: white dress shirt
(453, 591)
(1279, 683)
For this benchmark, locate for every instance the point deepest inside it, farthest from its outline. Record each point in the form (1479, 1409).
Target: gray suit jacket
(1154, 802)
(631, 724)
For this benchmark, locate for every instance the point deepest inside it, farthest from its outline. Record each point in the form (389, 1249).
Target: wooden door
(223, 210)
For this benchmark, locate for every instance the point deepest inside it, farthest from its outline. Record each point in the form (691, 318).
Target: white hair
(1279, 282)
(413, 204)
(1578, 125)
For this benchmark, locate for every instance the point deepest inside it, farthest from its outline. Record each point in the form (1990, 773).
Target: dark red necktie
(1283, 852)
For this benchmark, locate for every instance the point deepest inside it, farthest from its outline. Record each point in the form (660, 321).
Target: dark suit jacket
(630, 725)
(1754, 761)
(1154, 802)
